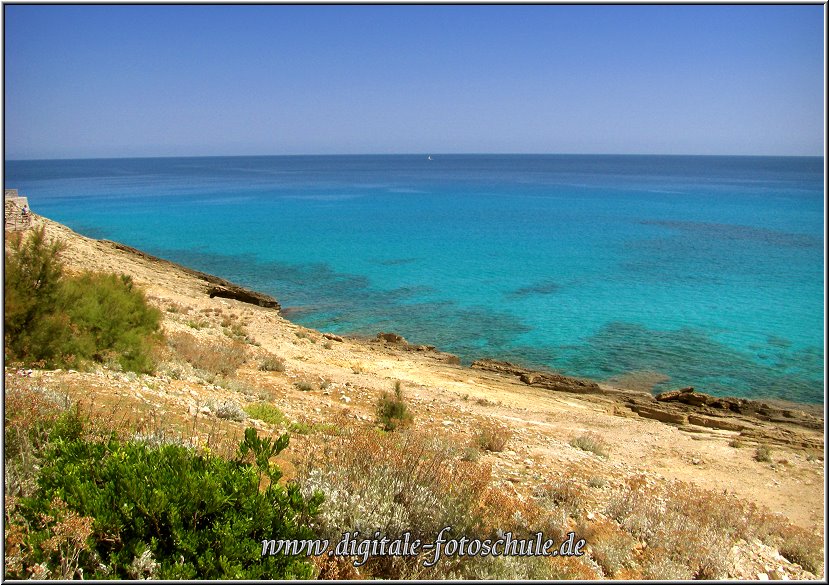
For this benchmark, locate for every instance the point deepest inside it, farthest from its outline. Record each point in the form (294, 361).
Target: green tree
(33, 274)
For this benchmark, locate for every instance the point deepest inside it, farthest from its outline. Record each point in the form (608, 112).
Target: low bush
(406, 481)
(565, 494)
(763, 454)
(111, 509)
(301, 427)
(694, 529)
(612, 547)
(392, 411)
(29, 414)
(237, 385)
(802, 547)
(237, 331)
(266, 413)
(229, 410)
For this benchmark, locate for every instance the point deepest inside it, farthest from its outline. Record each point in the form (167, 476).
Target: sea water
(649, 271)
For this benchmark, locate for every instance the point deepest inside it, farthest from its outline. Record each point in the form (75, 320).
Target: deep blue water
(703, 271)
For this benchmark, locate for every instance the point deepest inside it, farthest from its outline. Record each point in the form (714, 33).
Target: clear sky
(112, 81)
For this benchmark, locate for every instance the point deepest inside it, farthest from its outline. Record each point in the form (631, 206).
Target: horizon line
(411, 154)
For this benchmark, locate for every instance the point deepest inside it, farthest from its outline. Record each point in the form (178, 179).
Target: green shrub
(762, 453)
(266, 413)
(164, 513)
(64, 321)
(301, 428)
(392, 411)
(111, 315)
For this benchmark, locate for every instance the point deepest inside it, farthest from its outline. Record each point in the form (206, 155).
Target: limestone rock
(238, 293)
(673, 394)
(548, 380)
(392, 338)
(716, 423)
(660, 414)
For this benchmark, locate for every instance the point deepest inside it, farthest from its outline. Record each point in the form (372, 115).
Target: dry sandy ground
(451, 399)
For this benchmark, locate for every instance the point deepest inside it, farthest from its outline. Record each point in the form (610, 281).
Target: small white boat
(429, 157)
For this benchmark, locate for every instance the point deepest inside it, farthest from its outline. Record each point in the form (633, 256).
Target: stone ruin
(15, 216)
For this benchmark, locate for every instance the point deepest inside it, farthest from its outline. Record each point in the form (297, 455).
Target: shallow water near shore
(658, 271)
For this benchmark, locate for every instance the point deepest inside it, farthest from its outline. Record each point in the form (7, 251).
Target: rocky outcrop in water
(397, 342)
(217, 287)
(548, 380)
(718, 406)
(392, 338)
(238, 293)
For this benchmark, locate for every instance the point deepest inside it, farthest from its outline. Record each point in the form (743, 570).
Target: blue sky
(112, 81)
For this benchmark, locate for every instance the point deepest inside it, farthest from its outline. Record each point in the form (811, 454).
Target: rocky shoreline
(686, 408)
(773, 421)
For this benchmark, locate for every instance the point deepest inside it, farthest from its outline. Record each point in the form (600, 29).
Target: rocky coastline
(684, 407)
(679, 438)
(775, 422)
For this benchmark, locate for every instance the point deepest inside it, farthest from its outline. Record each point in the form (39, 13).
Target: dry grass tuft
(612, 547)
(590, 442)
(492, 437)
(802, 547)
(272, 363)
(305, 385)
(396, 482)
(694, 529)
(221, 359)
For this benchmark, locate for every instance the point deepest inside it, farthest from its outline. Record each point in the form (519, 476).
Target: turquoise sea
(673, 271)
